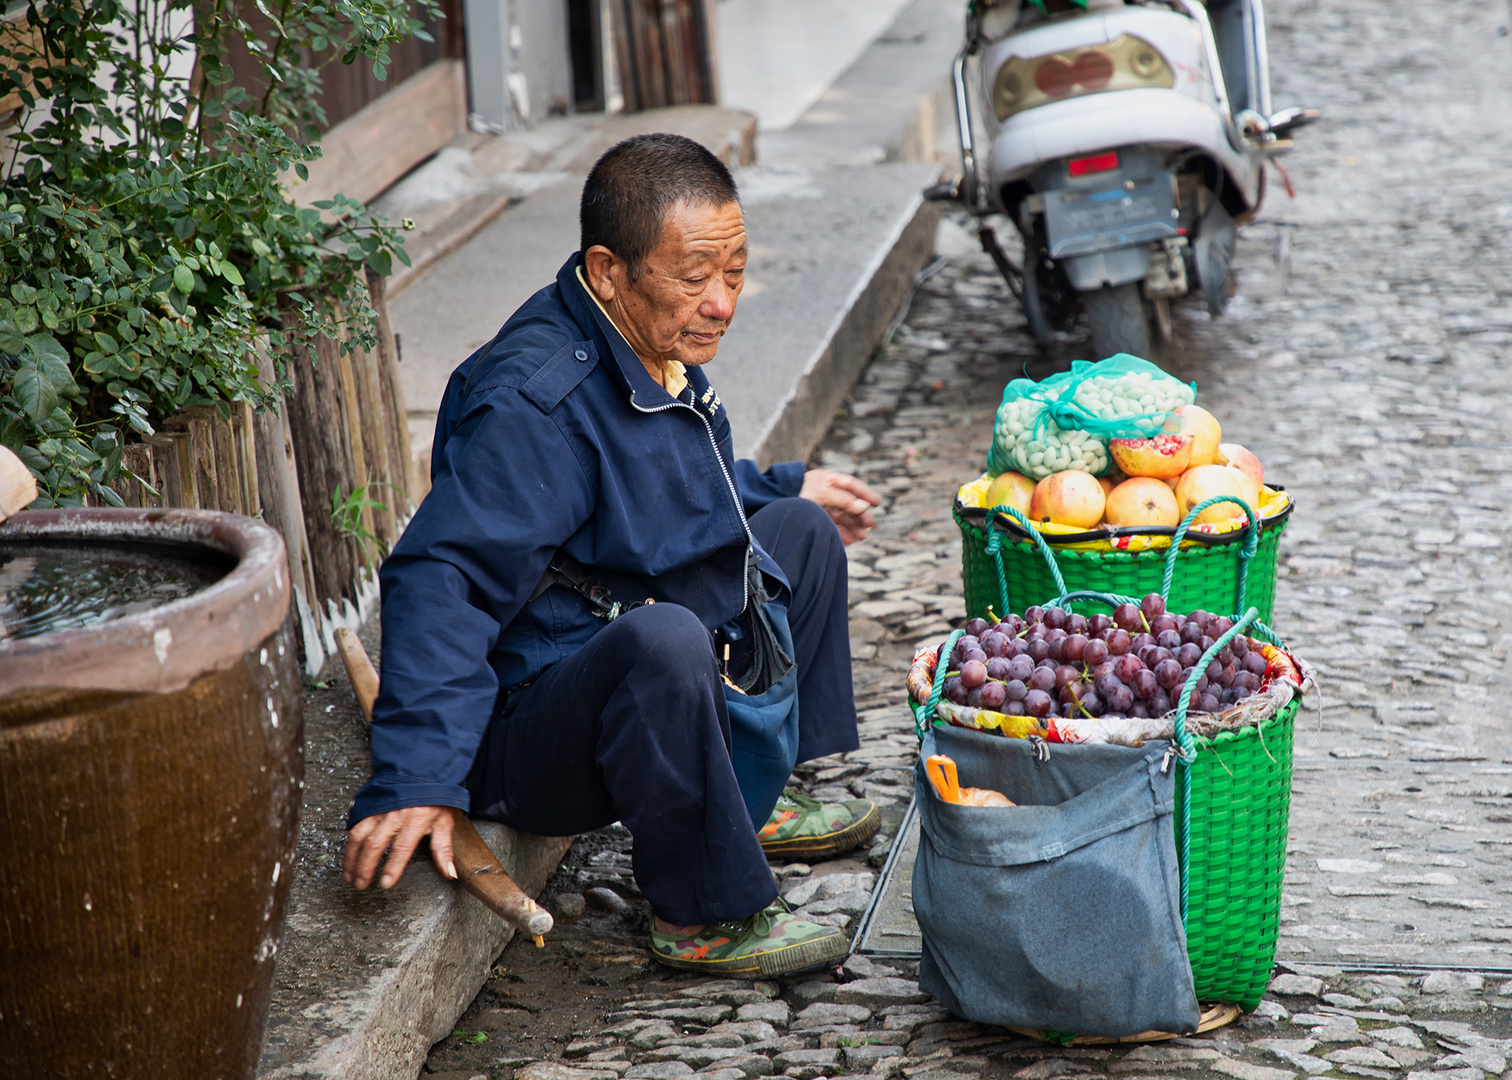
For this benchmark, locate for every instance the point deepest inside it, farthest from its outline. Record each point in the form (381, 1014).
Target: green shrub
(146, 243)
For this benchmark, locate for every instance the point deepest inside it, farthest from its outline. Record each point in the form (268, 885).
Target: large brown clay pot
(150, 776)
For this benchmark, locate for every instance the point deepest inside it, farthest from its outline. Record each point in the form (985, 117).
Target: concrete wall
(518, 66)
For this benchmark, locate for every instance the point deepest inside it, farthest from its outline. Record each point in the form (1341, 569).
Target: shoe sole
(830, 844)
(787, 960)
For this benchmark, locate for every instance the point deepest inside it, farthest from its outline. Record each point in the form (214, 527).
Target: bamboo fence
(342, 432)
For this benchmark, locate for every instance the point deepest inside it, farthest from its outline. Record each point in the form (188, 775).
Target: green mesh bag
(1065, 421)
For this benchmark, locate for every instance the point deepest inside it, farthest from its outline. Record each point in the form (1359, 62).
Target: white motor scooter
(1128, 141)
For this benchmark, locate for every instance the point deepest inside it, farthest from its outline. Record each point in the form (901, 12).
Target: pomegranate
(1208, 481)
(1108, 484)
(1011, 489)
(1068, 498)
(1143, 500)
(1237, 457)
(1207, 434)
(1160, 456)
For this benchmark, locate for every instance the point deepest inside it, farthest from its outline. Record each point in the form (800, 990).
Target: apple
(1209, 481)
(1011, 489)
(1143, 500)
(1160, 456)
(1207, 434)
(1068, 498)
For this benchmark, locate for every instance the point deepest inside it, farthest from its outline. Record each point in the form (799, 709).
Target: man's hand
(368, 839)
(847, 500)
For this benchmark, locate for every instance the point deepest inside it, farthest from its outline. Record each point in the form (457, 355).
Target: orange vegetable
(941, 771)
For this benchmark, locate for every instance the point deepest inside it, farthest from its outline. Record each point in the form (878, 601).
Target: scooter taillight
(1086, 166)
(1054, 77)
(1093, 69)
(1125, 63)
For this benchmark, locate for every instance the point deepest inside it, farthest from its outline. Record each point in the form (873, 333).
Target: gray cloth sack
(1060, 913)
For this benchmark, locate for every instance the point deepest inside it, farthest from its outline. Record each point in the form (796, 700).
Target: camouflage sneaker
(806, 828)
(769, 943)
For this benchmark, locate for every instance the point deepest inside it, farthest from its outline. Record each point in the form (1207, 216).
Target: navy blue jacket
(553, 435)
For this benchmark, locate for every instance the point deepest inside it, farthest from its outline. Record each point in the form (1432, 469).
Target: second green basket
(1207, 575)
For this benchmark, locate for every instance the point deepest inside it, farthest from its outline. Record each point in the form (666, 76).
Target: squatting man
(591, 571)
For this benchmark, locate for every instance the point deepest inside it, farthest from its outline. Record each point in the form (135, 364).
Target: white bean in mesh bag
(1065, 421)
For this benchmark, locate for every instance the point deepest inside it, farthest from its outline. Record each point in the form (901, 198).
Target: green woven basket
(1233, 805)
(1233, 802)
(1207, 575)
(1240, 802)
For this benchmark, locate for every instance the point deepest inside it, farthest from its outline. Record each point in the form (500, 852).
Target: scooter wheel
(1120, 323)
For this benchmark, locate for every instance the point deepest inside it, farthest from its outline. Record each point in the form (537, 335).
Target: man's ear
(598, 267)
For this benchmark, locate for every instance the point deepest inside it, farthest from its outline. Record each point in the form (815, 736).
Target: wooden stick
(478, 868)
(360, 671)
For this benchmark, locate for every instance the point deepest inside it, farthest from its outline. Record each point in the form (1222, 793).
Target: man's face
(683, 302)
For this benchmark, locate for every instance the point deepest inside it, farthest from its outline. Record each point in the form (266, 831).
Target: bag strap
(770, 662)
(567, 572)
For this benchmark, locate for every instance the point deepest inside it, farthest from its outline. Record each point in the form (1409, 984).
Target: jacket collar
(645, 392)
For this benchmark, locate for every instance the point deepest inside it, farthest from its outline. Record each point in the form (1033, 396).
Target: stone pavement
(1363, 360)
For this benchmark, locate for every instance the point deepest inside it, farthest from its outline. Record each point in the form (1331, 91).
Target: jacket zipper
(745, 574)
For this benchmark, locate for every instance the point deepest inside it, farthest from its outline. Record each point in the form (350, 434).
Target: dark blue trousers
(633, 728)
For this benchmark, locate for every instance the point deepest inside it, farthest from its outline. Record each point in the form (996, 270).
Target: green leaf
(23, 294)
(183, 278)
(34, 460)
(260, 247)
(107, 344)
(299, 170)
(26, 319)
(34, 393)
(380, 263)
(231, 273)
(11, 339)
(134, 415)
(52, 361)
(45, 348)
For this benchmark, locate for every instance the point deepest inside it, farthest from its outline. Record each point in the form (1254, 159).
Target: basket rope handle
(1065, 600)
(1247, 548)
(995, 552)
(1187, 753)
(924, 714)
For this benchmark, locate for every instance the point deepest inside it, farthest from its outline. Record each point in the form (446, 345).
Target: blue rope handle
(995, 552)
(1188, 752)
(924, 714)
(1248, 546)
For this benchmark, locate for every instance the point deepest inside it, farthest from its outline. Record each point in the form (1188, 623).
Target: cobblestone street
(1364, 359)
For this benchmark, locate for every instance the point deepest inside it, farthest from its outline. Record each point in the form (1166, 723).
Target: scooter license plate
(1084, 222)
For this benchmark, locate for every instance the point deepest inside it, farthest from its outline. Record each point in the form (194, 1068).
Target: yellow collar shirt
(674, 375)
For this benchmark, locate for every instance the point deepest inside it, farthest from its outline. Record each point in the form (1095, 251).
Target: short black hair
(637, 181)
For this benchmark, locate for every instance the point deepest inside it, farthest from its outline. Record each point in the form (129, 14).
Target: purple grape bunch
(1050, 662)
